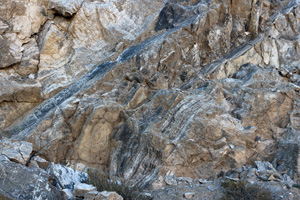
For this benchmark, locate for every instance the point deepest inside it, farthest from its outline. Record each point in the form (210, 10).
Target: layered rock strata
(144, 89)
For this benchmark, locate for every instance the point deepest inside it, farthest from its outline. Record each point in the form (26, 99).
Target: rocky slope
(147, 90)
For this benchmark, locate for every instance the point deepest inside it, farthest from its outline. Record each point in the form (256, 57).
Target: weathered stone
(288, 181)
(67, 194)
(17, 96)
(158, 183)
(81, 189)
(30, 59)
(66, 177)
(185, 180)
(19, 89)
(17, 151)
(286, 158)
(249, 174)
(94, 144)
(255, 14)
(265, 170)
(169, 15)
(139, 97)
(54, 46)
(190, 89)
(241, 9)
(42, 163)
(3, 26)
(6, 56)
(170, 180)
(102, 196)
(79, 166)
(189, 195)
(20, 182)
(3, 158)
(19, 20)
(66, 8)
(71, 48)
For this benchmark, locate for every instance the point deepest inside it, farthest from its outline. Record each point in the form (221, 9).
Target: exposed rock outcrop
(20, 182)
(150, 91)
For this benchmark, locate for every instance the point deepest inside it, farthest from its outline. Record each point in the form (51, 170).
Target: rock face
(19, 182)
(149, 90)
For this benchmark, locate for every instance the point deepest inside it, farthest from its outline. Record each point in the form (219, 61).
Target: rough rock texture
(81, 189)
(102, 196)
(263, 175)
(151, 90)
(70, 181)
(17, 151)
(66, 8)
(200, 190)
(19, 182)
(65, 177)
(264, 171)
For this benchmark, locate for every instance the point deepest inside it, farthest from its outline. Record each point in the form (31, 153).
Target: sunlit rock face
(146, 89)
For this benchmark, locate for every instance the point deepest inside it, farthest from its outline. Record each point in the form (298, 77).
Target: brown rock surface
(102, 196)
(148, 91)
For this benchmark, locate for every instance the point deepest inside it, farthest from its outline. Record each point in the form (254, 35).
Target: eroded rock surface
(150, 90)
(20, 182)
(17, 151)
(103, 196)
(65, 177)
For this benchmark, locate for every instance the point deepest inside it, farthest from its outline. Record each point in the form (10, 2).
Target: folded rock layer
(147, 89)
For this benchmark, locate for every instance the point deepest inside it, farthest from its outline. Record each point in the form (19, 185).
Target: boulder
(17, 151)
(189, 195)
(105, 195)
(265, 170)
(65, 177)
(81, 189)
(20, 182)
